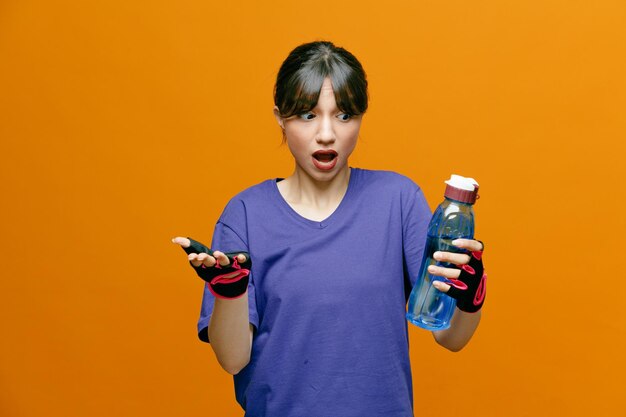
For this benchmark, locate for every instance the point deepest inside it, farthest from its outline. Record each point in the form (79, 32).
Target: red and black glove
(221, 287)
(469, 288)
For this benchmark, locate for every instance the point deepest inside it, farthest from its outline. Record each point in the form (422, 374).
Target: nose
(326, 132)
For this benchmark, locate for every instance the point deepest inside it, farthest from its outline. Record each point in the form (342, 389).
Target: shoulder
(388, 180)
(252, 197)
(254, 192)
(394, 191)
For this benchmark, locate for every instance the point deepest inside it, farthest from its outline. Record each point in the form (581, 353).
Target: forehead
(327, 86)
(326, 93)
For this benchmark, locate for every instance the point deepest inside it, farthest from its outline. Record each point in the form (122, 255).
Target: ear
(278, 117)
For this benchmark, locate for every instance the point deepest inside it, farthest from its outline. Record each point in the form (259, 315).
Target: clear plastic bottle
(429, 308)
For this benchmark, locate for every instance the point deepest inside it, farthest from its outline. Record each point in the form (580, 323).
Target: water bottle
(430, 308)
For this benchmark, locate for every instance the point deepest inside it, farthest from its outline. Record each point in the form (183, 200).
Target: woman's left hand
(467, 282)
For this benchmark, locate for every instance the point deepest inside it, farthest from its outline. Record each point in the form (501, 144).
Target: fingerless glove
(469, 288)
(219, 285)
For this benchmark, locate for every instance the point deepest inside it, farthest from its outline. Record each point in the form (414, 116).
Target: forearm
(230, 333)
(462, 328)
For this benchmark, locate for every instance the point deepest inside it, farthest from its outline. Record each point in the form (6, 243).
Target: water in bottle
(430, 308)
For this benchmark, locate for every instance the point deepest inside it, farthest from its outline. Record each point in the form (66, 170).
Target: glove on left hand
(469, 288)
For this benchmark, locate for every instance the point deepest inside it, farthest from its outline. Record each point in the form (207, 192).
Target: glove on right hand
(219, 285)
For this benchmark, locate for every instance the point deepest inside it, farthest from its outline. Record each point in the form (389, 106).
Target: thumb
(182, 241)
(191, 246)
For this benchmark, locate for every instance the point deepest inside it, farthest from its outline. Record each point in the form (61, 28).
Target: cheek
(295, 133)
(350, 134)
(296, 140)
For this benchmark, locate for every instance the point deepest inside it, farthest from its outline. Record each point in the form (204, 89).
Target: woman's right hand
(229, 330)
(203, 258)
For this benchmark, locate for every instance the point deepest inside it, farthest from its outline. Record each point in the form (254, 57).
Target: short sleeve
(225, 239)
(416, 215)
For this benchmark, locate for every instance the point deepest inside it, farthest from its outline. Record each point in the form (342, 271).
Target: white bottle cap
(461, 188)
(462, 183)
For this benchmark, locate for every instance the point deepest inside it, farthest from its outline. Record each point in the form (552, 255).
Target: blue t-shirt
(327, 298)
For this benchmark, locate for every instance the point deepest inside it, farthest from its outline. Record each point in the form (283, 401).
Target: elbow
(234, 368)
(233, 371)
(232, 357)
(449, 343)
(454, 348)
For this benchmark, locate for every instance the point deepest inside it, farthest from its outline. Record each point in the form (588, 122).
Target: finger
(221, 258)
(455, 258)
(241, 258)
(471, 244)
(206, 259)
(182, 241)
(441, 286)
(193, 258)
(444, 272)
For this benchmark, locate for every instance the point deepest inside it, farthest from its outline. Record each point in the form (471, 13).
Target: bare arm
(230, 332)
(462, 328)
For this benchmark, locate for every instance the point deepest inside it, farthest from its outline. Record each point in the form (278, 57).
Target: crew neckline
(314, 223)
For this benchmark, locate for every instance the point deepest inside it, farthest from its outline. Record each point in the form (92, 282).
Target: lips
(325, 160)
(325, 155)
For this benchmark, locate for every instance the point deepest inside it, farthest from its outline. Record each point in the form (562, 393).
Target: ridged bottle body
(428, 307)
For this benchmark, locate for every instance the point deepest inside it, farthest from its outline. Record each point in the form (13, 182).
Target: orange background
(124, 124)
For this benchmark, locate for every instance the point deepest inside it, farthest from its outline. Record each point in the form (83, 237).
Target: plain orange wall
(124, 124)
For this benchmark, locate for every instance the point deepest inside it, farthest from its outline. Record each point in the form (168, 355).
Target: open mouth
(325, 156)
(325, 160)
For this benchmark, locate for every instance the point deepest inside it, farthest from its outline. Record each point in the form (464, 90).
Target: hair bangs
(302, 75)
(306, 86)
(350, 96)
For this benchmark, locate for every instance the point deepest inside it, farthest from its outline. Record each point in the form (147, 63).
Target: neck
(304, 189)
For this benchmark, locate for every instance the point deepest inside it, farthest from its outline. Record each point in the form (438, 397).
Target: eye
(344, 116)
(307, 116)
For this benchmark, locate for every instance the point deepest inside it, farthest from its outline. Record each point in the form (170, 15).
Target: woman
(317, 327)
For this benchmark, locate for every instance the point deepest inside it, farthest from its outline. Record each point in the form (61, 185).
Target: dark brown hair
(302, 74)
